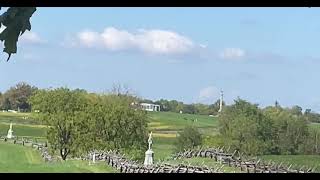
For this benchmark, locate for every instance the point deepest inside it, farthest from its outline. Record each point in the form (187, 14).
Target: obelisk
(221, 100)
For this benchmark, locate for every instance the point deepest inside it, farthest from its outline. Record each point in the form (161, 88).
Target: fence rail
(124, 165)
(239, 160)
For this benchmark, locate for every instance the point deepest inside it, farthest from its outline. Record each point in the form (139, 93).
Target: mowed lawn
(18, 118)
(19, 159)
(167, 124)
(23, 130)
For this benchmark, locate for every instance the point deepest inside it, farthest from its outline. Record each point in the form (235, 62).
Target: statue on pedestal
(149, 153)
(10, 131)
(150, 140)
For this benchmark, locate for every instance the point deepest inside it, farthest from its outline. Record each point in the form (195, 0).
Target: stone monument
(221, 101)
(149, 153)
(94, 157)
(10, 131)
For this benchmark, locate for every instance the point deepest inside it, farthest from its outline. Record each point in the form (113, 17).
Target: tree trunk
(64, 153)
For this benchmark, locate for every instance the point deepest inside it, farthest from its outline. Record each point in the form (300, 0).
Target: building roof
(149, 104)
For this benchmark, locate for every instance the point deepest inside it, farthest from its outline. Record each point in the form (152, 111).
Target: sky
(187, 54)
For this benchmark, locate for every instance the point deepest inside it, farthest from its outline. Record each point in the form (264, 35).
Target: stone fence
(237, 160)
(124, 165)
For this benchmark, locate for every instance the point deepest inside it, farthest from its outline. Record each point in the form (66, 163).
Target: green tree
(311, 116)
(59, 109)
(202, 109)
(110, 122)
(189, 109)
(164, 105)
(296, 110)
(79, 122)
(289, 130)
(245, 128)
(189, 137)
(18, 96)
(17, 21)
(5, 104)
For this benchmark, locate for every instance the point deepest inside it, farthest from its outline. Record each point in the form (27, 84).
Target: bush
(135, 153)
(190, 137)
(213, 141)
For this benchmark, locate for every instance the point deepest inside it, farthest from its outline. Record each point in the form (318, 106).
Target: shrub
(189, 137)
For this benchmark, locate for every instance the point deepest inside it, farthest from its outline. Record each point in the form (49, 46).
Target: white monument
(94, 157)
(149, 153)
(221, 100)
(9, 135)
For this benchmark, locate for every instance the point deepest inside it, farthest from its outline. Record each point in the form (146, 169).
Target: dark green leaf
(17, 21)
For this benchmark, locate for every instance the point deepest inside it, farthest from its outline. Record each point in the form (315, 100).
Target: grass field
(23, 130)
(20, 159)
(167, 124)
(315, 126)
(164, 126)
(18, 118)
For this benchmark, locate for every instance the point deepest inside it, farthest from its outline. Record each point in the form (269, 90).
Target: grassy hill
(167, 124)
(164, 126)
(20, 159)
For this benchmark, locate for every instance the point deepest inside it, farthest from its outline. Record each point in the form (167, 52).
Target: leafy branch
(16, 21)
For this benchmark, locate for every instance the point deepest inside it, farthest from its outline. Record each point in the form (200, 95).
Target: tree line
(195, 108)
(16, 97)
(275, 130)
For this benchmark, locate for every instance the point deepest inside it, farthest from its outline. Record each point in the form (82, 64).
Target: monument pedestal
(9, 135)
(149, 158)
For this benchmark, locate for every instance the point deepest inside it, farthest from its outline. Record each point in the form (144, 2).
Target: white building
(150, 107)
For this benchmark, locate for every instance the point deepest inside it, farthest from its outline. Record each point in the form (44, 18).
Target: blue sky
(187, 54)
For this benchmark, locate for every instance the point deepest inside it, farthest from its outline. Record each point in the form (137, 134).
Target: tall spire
(221, 100)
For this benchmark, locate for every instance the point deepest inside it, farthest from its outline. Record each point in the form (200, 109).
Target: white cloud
(115, 39)
(31, 37)
(209, 94)
(147, 41)
(88, 38)
(232, 53)
(203, 45)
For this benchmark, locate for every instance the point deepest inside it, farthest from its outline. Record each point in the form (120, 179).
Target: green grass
(23, 130)
(164, 125)
(18, 118)
(163, 148)
(315, 126)
(170, 123)
(18, 159)
(300, 160)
